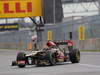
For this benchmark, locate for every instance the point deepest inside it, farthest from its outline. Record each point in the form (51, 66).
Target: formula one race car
(49, 56)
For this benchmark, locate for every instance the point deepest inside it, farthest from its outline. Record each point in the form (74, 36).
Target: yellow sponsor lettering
(1, 27)
(12, 26)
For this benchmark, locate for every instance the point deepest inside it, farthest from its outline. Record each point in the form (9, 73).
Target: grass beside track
(30, 50)
(12, 49)
(90, 50)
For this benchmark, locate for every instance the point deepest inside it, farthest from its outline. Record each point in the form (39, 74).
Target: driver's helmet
(50, 44)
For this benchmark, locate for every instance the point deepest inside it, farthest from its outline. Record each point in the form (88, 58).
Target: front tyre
(21, 60)
(74, 56)
(51, 58)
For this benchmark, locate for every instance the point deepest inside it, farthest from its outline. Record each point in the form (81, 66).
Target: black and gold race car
(51, 55)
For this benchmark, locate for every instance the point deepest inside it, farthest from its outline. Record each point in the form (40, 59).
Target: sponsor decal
(20, 8)
(5, 27)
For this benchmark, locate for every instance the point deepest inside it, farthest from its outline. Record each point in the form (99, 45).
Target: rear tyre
(21, 57)
(74, 56)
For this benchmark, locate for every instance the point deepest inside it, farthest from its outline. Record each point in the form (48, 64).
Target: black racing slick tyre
(21, 60)
(74, 56)
(51, 58)
(13, 63)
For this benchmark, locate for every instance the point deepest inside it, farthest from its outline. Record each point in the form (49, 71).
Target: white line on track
(89, 65)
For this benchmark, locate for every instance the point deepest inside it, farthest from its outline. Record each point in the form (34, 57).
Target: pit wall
(89, 44)
(16, 40)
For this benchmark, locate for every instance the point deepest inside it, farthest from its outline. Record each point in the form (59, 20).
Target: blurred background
(62, 18)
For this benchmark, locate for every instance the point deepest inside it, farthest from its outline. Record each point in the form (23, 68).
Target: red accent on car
(50, 43)
(60, 55)
(70, 43)
(21, 62)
